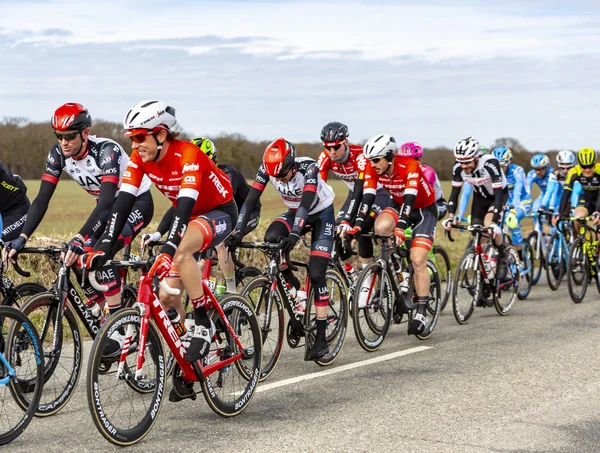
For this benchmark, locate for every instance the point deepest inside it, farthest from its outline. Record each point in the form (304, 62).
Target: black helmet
(334, 133)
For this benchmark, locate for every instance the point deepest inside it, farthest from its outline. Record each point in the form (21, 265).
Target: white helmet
(150, 115)
(467, 149)
(565, 157)
(380, 146)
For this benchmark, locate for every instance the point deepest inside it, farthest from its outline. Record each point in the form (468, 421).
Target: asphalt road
(527, 382)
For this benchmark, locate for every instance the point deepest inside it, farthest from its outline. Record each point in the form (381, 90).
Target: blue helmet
(539, 161)
(503, 154)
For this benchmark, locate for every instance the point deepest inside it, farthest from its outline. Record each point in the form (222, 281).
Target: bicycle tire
(538, 263)
(116, 425)
(444, 274)
(337, 316)
(229, 390)
(577, 271)
(24, 291)
(472, 284)
(58, 387)
(245, 274)
(272, 324)
(19, 339)
(372, 321)
(513, 276)
(526, 280)
(556, 268)
(434, 303)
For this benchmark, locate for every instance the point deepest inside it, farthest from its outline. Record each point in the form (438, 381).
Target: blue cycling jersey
(465, 196)
(554, 191)
(532, 179)
(518, 190)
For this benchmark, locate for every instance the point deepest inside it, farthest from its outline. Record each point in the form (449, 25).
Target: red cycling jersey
(353, 169)
(185, 171)
(407, 179)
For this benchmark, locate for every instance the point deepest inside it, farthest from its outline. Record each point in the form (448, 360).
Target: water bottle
(404, 282)
(352, 275)
(300, 306)
(177, 322)
(489, 263)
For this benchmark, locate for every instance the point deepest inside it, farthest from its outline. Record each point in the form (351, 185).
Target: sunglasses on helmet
(67, 137)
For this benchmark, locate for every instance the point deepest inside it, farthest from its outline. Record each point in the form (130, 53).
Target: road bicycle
(270, 295)
(583, 264)
(476, 281)
(125, 400)
(390, 294)
(20, 361)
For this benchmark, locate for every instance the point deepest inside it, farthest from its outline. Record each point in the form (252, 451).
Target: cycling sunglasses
(587, 167)
(67, 137)
(140, 137)
(334, 147)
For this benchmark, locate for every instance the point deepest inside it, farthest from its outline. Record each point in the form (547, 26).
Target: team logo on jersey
(215, 180)
(190, 167)
(189, 180)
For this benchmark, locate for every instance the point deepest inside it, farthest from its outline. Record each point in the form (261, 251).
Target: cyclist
(240, 192)
(587, 172)
(565, 160)
(467, 189)
(489, 192)
(542, 175)
(415, 150)
(14, 204)
(413, 204)
(97, 165)
(348, 162)
(203, 201)
(519, 196)
(310, 204)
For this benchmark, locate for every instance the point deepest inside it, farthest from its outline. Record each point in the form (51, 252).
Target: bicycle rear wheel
(337, 316)
(444, 272)
(121, 412)
(466, 288)
(577, 271)
(556, 268)
(372, 307)
(229, 390)
(21, 360)
(506, 291)
(62, 349)
(538, 256)
(245, 274)
(270, 320)
(525, 277)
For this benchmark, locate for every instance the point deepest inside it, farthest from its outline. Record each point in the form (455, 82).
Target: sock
(422, 304)
(321, 329)
(230, 282)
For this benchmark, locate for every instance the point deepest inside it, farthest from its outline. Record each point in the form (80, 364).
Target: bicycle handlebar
(103, 288)
(50, 251)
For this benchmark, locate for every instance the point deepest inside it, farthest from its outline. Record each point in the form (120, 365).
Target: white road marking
(350, 366)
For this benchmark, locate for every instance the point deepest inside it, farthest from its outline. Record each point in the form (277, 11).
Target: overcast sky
(428, 71)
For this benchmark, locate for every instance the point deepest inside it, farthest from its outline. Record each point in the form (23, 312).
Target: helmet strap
(81, 148)
(158, 147)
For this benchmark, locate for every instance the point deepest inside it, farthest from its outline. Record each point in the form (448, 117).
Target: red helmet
(71, 117)
(279, 157)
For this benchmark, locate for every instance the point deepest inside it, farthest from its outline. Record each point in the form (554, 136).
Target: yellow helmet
(586, 157)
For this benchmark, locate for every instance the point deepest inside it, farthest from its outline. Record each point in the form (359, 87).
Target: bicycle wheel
(525, 277)
(270, 319)
(229, 389)
(466, 287)
(372, 311)
(245, 274)
(577, 271)
(337, 316)
(538, 256)
(434, 301)
(442, 261)
(17, 295)
(20, 361)
(507, 290)
(61, 343)
(555, 255)
(122, 413)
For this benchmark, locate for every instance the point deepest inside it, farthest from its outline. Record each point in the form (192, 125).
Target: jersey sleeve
(133, 174)
(413, 176)
(457, 180)
(519, 185)
(324, 165)
(191, 174)
(110, 162)
(54, 166)
(465, 196)
(492, 166)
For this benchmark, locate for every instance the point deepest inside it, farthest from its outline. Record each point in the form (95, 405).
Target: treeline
(24, 146)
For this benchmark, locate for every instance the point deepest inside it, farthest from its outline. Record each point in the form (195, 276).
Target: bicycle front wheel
(466, 287)
(372, 307)
(269, 310)
(534, 239)
(577, 271)
(21, 360)
(526, 279)
(20, 293)
(555, 256)
(442, 261)
(337, 316)
(507, 288)
(230, 388)
(122, 413)
(62, 348)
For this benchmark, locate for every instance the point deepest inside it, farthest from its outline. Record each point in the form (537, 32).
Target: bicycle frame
(10, 370)
(150, 308)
